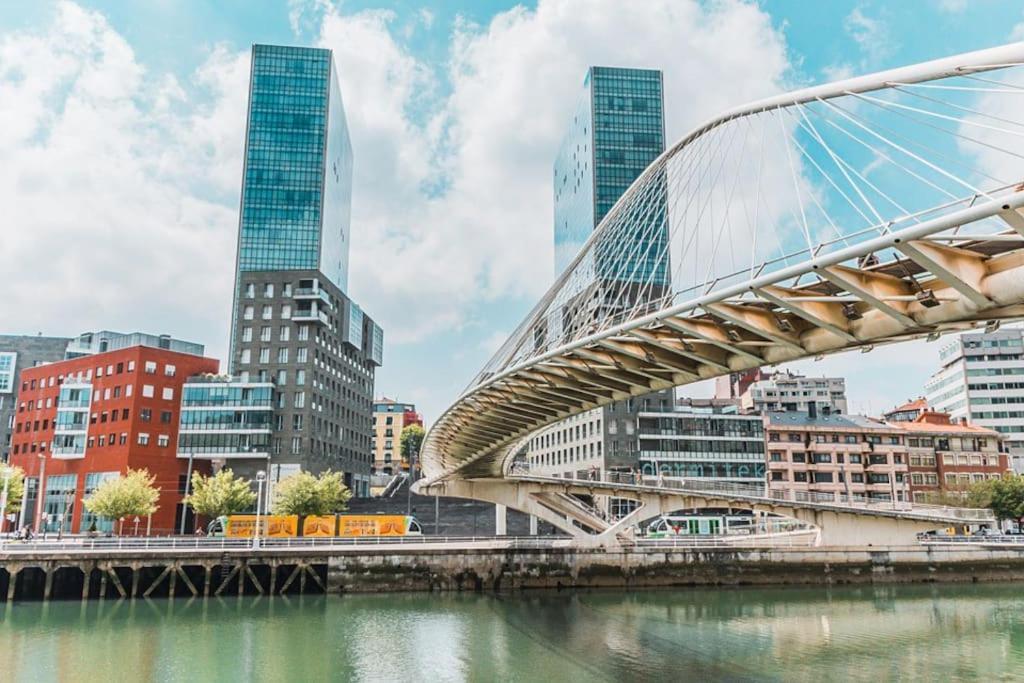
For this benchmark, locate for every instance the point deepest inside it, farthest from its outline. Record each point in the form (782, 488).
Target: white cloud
(121, 185)
(952, 6)
(489, 144)
(111, 207)
(872, 36)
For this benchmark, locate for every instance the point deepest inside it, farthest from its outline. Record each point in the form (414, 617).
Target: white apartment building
(785, 391)
(569, 449)
(981, 381)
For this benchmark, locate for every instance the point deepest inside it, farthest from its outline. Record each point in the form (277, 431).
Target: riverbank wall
(109, 574)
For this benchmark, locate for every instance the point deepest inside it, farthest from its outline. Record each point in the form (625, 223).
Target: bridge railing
(156, 544)
(763, 492)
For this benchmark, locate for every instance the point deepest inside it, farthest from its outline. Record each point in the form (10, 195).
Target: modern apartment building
(835, 455)
(82, 420)
(702, 439)
(293, 322)
(693, 438)
(786, 391)
(18, 352)
(981, 381)
(946, 457)
(389, 419)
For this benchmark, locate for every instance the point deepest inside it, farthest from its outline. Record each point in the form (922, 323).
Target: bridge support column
(500, 519)
(533, 525)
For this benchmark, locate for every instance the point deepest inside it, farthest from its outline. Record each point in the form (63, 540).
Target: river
(933, 633)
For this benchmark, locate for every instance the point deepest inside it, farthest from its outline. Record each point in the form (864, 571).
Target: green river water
(929, 633)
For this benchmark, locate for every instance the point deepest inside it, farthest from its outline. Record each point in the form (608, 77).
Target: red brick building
(947, 458)
(93, 417)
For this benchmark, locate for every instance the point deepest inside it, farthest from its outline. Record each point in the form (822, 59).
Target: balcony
(67, 452)
(311, 293)
(312, 314)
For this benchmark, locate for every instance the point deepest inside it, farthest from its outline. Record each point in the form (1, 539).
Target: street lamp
(184, 498)
(261, 476)
(40, 490)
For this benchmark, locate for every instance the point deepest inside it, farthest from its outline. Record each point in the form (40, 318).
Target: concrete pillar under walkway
(500, 520)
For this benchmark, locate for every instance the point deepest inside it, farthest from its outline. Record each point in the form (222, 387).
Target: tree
(15, 488)
(304, 494)
(412, 439)
(220, 494)
(979, 495)
(128, 495)
(1008, 497)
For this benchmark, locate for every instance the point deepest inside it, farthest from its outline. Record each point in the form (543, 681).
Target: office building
(835, 456)
(82, 420)
(981, 381)
(293, 322)
(617, 130)
(18, 352)
(389, 419)
(946, 457)
(786, 391)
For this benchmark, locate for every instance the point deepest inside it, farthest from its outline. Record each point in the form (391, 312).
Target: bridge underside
(559, 504)
(940, 284)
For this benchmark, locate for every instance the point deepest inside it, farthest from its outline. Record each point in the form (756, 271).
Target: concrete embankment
(210, 572)
(576, 568)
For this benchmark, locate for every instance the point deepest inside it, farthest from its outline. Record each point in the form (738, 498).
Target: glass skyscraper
(297, 182)
(617, 130)
(294, 325)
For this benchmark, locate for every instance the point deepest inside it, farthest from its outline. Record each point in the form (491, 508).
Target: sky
(121, 140)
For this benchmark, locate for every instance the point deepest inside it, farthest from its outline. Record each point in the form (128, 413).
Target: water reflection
(871, 634)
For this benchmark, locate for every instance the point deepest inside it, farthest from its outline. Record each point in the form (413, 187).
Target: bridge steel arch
(952, 266)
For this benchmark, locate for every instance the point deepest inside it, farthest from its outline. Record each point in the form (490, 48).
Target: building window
(265, 333)
(165, 417)
(247, 313)
(285, 333)
(286, 311)
(168, 394)
(250, 290)
(247, 334)
(296, 445)
(300, 399)
(303, 333)
(282, 354)
(301, 355)
(268, 290)
(143, 439)
(268, 312)
(162, 440)
(169, 370)
(300, 377)
(246, 357)
(147, 391)
(150, 368)
(282, 378)
(145, 414)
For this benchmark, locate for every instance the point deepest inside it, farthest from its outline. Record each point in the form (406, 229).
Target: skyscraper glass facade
(297, 183)
(617, 130)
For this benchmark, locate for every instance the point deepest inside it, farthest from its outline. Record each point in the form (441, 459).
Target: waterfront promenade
(90, 569)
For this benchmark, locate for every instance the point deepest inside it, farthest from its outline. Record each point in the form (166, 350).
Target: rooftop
(798, 418)
(932, 422)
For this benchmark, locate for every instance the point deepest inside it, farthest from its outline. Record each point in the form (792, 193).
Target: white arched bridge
(869, 211)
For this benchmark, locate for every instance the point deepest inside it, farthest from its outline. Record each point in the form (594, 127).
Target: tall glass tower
(617, 130)
(297, 179)
(294, 325)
